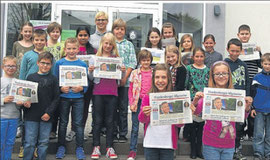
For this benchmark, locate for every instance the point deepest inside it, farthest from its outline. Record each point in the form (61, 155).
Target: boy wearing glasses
(240, 78)
(38, 116)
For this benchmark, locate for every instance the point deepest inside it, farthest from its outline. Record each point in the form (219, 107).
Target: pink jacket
(146, 119)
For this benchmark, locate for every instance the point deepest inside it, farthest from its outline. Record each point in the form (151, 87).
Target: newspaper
(72, 76)
(88, 59)
(168, 41)
(170, 108)
(186, 58)
(108, 67)
(158, 55)
(249, 52)
(24, 91)
(224, 104)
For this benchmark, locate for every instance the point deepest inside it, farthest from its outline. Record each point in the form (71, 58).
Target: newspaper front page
(224, 104)
(249, 52)
(88, 59)
(170, 108)
(158, 55)
(168, 41)
(72, 76)
(108, 67)
(24, 91)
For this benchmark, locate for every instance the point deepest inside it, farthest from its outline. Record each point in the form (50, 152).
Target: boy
(261, 110)
(240, 81)
(71, 96)
(9, 110)
(127, 52)
(38, 117)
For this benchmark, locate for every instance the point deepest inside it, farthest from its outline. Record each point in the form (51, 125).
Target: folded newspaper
(158, 55)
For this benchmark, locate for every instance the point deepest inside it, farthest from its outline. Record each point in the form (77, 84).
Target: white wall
(254, 14)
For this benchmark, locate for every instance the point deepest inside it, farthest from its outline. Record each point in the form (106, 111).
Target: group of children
(41, 60)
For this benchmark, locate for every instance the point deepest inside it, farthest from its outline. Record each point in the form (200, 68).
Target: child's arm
(249, 101)
(144, 115)
(125, 77)
(133, 107)
(23, 69)
(198, 102)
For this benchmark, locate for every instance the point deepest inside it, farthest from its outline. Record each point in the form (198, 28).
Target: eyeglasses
(101, 20)
(10, 67)
(221, 74)
(44, 63)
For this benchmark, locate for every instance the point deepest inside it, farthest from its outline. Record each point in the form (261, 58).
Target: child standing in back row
(168, 31)
(140, 84)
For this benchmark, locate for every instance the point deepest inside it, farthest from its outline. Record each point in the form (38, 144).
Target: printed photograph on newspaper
(108, 68)
(249, 52)
(224, 104)
(73, 76)
(88, 59)
(24, 91)
(170, 108)
(158, 55)
(168, 41)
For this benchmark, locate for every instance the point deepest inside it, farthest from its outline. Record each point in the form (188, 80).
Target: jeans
(261, 142)
(135, 128)
(77, 112)
(36, 134)
(103, 106)
(121, 121)
(158, 154)
(8, 135)
(213, 153)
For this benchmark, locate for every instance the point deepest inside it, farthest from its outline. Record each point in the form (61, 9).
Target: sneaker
(257, 157)
(71, 135)
(19, 133)
(238, 156)
(52, 135)
(60, 154)
(111, 153)
(85, 138)
(80, 153)
(96, 152)
(35, 153)
(242, 139)
(20, 155)
(131, 155)
(122, 139)
(103, 133)
(115, 139)
(90, 134)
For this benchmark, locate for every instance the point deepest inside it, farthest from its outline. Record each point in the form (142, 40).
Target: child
(104, 99)
(38, 117)
(240, 81)
(215, 146)
(127, 53)
(178, 71)
(197, 79)
(211, 56)
(186, 48)
(9, 110)
(23, 44)
(153, 39)
(71, 96)
(54, 31)
(168, 31)
(140, 84)
(159, 141)
(261, 87)
(29, 61)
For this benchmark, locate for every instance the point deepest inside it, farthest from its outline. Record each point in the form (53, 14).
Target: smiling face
(55, 34)
(107, 46)
(119, 33)
(27, 32)
(221, 76)
(101, 23)
(145, 63)
(161, 80)
(83, 37)
(187, 44)
(171, 58)
(154, 39)
(168, 32)
(9, 67)
(44, 65)
(165, 108)
(198, 58)
(218, 103)
(71, 50)
(39, 42)
(209, 45)
(234, 51)
(244, 36)
(20, 91)
(266, 65)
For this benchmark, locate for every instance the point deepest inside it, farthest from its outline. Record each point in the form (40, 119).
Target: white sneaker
(71, 135)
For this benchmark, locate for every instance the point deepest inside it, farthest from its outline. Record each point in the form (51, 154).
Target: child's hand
(8, 99)
(45, 117)
(147, 110)
(249, 101)
(19, 103)
(123, 68)
(197, 97)
(77, 89)
(133, 108)
(27, 104)
(193, 108)
(91, 68)
(65, 89)
(253, 113)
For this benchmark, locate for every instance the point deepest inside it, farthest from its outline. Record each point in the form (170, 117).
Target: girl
(215, 145)
(23, 44)
(104, 99)
(186, 48)
(178, 71)
(140, 84)
(168, 31)
(153, 39)
(197, 79)
(159, 141)
(54, 31)
(211, 56)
